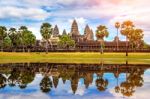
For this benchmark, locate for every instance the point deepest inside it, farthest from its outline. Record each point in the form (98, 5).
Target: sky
(32, 13)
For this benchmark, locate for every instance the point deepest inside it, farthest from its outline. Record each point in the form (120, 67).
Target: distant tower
(91, 35)
(55, 31)
(64, 32)
(88, 33)
(74, 28)
(75, 32)
(87, 30)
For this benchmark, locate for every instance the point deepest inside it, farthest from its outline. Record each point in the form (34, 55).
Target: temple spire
(87, 30)
(74, 28)
(64, 32)
(88, 33)
(55, 31)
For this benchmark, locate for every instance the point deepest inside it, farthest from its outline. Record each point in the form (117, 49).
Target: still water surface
(74, 81)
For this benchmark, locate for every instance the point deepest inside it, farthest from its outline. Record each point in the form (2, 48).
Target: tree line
(133, 35)
(24, 38)
(14, 38)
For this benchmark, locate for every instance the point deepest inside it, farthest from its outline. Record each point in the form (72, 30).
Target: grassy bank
(6, 57)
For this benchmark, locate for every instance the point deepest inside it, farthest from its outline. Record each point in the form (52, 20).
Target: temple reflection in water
(22, 74)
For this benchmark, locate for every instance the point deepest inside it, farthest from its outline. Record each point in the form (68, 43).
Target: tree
(127, 28)
(136, 37)
(65, 41)
(117, 26)
(46, 84)
(101, 32)
(26, 77)
(101, 84)
(22, 30)
(13, 34)
(28, 39)
(13, 78)
(3, 34)
(7, 42)
(46, 32)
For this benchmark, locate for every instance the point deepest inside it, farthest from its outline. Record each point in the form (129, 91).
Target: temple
(86, 41)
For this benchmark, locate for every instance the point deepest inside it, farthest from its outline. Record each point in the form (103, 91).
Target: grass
(74, 57)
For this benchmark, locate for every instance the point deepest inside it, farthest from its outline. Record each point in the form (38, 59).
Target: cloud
(36, 95)
(23, 13)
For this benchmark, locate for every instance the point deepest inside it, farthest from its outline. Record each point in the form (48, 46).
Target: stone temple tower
(55, 31)
(88, 34)
(74, 29)
(75, 32)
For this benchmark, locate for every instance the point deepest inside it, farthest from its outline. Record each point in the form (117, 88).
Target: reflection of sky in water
(64, 91)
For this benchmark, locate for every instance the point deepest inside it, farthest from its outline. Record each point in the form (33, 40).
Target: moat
(74, 81)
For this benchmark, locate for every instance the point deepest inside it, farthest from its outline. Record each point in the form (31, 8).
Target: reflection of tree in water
(116, 74)
(136, 77)
(101, 83)
(133, 80)
(14, 76)
(46, 84)
(2, 81)
(127, 89)
(26, 77)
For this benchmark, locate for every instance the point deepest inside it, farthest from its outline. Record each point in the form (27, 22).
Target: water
(74, 81)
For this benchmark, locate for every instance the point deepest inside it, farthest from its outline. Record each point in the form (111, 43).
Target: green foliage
(46, 30)
(46, 84)
(23, 28)
(28, 38)
(26, 77)
(14, 36)
(101, 32)
(66, 42)
(3, 32)
(7, 42)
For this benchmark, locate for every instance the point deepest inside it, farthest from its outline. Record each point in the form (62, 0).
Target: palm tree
(3, 34)
(101, 83)
(116, 74)
(46, 32)
(126, 30)
(117, 26)
(101, 32)
(46, 84)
